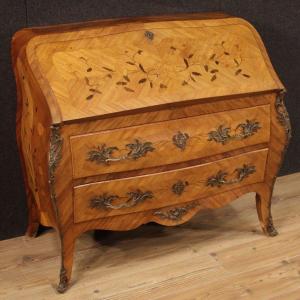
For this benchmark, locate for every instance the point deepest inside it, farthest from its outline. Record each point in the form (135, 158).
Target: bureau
(129, 121)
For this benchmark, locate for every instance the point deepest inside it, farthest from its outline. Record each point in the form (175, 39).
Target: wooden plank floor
(219, 254)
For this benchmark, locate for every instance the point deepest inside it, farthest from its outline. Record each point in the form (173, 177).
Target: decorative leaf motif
(142, 80)
(90, 97)
(142, 68)
(175, 214)
(126, 78)
(246, 75)
(237, 72)
(154, 71)
(213, 78)
(186, 62)
(220, 178)
(107, 69)
(138, 197)
(128, 89)
(139, 149)
(95, 91)
(102, 154)
(242, 131)
(283, 116)
(245, 171)
(105, 201)
(249, 128)
(221, 135)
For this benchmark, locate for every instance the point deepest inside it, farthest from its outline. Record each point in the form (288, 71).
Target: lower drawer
(123, 196)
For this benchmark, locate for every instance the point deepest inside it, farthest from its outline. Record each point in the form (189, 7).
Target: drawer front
(117, 197)
(168, 142)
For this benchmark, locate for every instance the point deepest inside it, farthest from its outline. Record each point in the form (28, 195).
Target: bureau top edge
(100, 68)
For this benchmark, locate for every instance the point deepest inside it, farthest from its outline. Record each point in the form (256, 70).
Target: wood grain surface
(195, 132)
(33, 123)
(141, 71)
(193, 181)
(118, 71)
(219, 254)
(112, 82)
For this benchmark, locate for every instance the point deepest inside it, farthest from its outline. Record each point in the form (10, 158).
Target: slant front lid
(108, 69)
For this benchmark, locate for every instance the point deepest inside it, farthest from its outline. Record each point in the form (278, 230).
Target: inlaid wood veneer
(129, 121)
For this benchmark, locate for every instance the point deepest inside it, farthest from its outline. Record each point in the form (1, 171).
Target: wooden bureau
(123, 122)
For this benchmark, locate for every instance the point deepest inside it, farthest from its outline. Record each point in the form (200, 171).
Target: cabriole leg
(33, 217)
(263, 206)
(32, 229)
(67, 255)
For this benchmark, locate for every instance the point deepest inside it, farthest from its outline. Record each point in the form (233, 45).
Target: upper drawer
(168, 142)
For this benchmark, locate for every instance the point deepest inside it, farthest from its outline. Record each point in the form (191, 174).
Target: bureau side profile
(129, 121)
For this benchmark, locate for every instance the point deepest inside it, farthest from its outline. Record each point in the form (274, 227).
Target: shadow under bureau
(123, 122)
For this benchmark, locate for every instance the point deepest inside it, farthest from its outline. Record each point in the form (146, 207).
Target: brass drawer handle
(243, 130)
(104, 154)
(180, 140)
(220, 178)
(105, 201)
(179, 187)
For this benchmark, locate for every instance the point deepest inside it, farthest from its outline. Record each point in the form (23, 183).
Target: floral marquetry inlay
(110, 71)
(183, 64)
(161, 63)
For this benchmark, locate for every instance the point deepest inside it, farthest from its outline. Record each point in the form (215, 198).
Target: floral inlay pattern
(181, 63)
